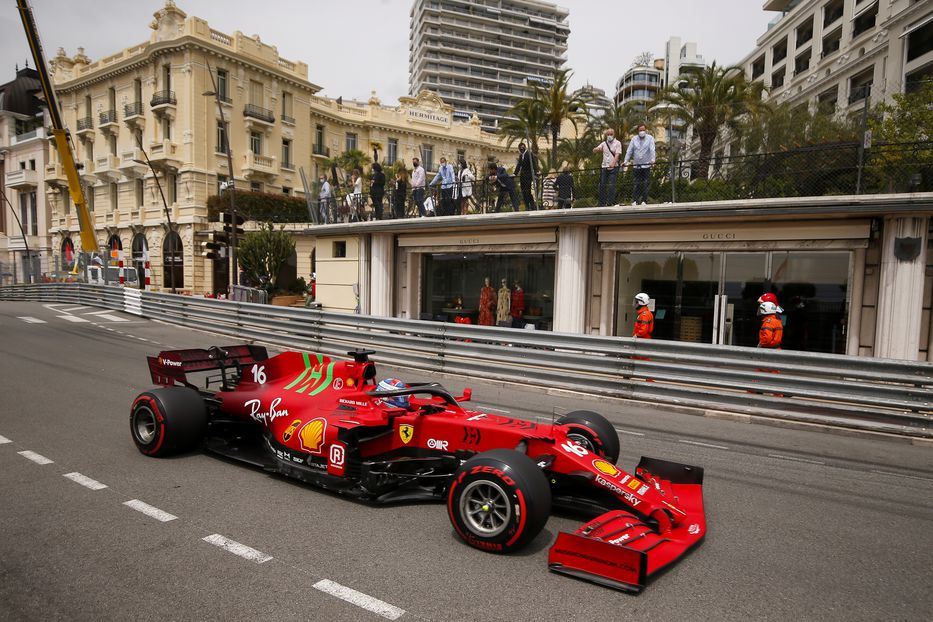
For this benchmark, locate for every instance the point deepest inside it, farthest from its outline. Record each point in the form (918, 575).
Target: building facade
(840, 54)
(483, 56)
(640, 85)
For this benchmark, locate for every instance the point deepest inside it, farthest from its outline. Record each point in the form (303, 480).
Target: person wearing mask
(325, 198)
(465, 185)
(377, 189)
(771, 332)
(504, 183)
(356, 201)
(641, 154)
(447, 177)
(526, 173)
(401, 189)
(417, 185)
(611, 150)
(564, 187)
(644, 318)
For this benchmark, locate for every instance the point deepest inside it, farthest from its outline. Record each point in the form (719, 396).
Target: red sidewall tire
(520, 492)
(597, 429)
(167, 421)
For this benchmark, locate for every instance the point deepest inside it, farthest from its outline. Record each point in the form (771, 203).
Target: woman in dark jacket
(401, 189)
(377, 189)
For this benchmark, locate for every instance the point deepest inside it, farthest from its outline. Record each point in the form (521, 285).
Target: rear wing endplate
(171, 367)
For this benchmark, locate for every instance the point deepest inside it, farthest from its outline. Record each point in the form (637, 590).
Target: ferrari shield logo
(405, 432)
(291, 430)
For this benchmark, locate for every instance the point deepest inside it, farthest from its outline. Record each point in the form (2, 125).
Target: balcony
(55, 175)
(129, 167)
(86, 170)
(288, 167)
(258, 166)
(22, 179)
(107, 168)
(163, 102)
(288, 120)
(132, 110)
(85, 126)
(257, 117)
(164, 154)
(320, 150)
(108, 120)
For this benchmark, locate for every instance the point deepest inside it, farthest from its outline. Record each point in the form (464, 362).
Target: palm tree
(525, 123)
(621, 118)
(577, 152)
(558, 106)
(710, 99)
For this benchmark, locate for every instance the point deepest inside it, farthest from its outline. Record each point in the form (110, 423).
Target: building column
(856, 284)
(900, 296)
(571, 279)
(364, 277)
(382, 268)
(606, 298)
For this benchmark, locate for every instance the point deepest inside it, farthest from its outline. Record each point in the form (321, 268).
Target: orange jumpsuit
(771, 332)
(644, 324)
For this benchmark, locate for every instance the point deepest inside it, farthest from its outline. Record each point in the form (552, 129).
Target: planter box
(286, 301)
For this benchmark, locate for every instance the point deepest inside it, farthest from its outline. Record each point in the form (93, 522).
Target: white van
(96, 276)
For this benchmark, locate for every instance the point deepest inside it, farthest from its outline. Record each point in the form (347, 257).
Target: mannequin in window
(503, 305)
(487, 304)
(517, 306)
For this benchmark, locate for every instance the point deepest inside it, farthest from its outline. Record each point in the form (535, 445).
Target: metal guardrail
(880, 395)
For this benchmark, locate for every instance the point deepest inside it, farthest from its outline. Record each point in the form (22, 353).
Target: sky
(353, 47)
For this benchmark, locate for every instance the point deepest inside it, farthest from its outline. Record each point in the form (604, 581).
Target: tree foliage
(262, 254)
(261, 206)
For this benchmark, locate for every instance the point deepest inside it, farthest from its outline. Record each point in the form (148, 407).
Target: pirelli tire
(167, 421)
(594, 432)
(498, 501)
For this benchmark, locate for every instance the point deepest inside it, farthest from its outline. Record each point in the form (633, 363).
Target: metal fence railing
(856, 392)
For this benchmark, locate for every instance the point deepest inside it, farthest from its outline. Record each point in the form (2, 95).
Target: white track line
(794, 459)
(72, 318)
(112, 318)
(4, 440)
(85, 481)
(384, 609)
(621, 431)
(149, 510)
(38, 459)
(699, 444)
(237, 549)
(31, 320)
(922, 479)
(70, 309)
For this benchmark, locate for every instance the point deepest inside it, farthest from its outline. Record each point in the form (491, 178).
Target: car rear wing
(171, 367)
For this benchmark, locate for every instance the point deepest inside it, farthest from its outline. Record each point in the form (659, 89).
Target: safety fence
(880, 395)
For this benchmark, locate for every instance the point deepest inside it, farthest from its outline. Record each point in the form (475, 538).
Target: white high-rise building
(482, 56)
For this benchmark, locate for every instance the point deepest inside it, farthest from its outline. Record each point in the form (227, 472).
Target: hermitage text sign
(428, 117)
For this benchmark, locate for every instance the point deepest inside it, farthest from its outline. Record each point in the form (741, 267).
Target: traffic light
(231, 228)
(213, 251)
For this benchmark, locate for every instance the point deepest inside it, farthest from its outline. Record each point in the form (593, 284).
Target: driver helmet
(641, 300)
(767, 308)
(399, 401)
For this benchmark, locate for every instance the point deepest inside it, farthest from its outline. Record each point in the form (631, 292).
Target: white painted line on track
(70, 309)
(149, 510)
(795, 459)
(38, 459)
(85, 481)
(101, 312)
(384, 609)
(31, 320)
(4, 440)
(57, 304)
(111, 318)
(922, 479)
(237, 549)
(72, 318)
(699, 444)
(621, 431)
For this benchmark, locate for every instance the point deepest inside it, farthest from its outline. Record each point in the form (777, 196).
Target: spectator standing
(466, 178)
(564, 187)
(641, 153)
(356, 201)
(377, 189)
(526, 172)
(325, 198)
(401, 189)
(417, 185)
(609, 170)
(505, 184)
(644, 318)
(447, 177)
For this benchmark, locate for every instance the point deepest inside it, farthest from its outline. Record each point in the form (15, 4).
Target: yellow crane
(62, 144)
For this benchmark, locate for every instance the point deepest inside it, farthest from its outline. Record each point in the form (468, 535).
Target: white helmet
(767, 308)
(641, 300)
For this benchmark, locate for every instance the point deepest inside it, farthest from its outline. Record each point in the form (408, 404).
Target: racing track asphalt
(802, 524)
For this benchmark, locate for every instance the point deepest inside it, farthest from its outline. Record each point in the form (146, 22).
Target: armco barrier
(857, 392)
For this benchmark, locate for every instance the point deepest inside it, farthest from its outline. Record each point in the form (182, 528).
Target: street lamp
(168, 215)
(231, 186)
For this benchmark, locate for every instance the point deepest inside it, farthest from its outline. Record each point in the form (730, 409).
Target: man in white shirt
(611, 150)
(325, 199)
(641, 153)
(417, 184)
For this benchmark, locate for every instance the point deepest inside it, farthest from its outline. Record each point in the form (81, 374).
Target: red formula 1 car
(327, 423)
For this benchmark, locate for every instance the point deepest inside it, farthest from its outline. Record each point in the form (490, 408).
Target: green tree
(577, 152)
(708, 101)
(622, 119)
(558, 106)
(526, 123)
(347, 161)
(908, 119)
(262, 254)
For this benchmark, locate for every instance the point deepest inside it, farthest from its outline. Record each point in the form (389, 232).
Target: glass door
(736, 307)
(699, 287)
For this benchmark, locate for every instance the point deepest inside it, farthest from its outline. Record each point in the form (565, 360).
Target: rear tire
(167, 421)
(499, 501)
(592, 431)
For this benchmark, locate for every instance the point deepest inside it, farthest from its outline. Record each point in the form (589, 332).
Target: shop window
(340, 249)
(173, 261)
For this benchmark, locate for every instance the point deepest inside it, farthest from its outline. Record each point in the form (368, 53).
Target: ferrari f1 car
(327, 422)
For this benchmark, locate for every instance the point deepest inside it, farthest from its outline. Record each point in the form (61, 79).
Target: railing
(257, 112)
(108, 116)
(879, 395)
(163, 98)
(86, 123)
(132, 110)
(320, 150)
(288, 119)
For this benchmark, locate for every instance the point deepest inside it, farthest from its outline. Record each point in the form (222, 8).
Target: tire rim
(144, 424)
(485, 508)
(582, 441)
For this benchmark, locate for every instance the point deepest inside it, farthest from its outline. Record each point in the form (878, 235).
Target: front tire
(499, 501)
(592, 431)
(167, 421)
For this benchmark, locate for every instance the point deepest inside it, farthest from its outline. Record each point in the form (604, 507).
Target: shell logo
(605, 468)
(311, 435)
(291, 430)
